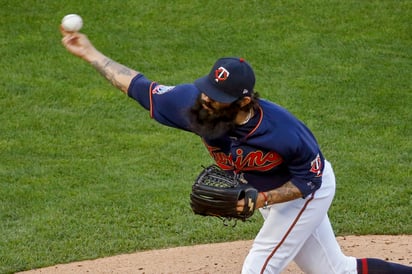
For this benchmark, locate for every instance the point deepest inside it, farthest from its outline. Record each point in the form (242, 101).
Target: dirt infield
(224, 257)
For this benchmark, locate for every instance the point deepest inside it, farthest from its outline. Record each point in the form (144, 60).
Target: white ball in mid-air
(72, 22)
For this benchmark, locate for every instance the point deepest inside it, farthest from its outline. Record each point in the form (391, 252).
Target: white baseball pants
(300, 230)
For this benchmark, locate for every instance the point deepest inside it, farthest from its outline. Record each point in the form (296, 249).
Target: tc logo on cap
(221, 74)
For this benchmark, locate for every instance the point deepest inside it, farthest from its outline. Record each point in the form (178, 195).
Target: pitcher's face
(212, 119)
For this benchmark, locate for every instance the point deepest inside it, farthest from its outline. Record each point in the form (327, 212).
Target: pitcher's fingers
(68, 39)
(240, 206)
(62, 31)
(65, 32)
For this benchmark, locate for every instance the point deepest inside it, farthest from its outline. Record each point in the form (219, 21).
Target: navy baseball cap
(231, 78)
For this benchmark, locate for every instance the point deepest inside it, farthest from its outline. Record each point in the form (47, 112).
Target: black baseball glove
(216, 193)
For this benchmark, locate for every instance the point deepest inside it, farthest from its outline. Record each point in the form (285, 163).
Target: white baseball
(72, 22)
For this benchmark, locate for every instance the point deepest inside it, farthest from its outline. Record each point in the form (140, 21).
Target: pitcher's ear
(245, 101)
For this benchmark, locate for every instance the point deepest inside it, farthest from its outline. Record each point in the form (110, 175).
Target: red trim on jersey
(258, 124)
(151, 99)
(364, 266)
(286, 234)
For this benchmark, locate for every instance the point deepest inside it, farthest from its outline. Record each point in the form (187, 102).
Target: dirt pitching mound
(224, 257)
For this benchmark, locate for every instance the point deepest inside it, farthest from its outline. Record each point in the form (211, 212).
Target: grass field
(84, 172)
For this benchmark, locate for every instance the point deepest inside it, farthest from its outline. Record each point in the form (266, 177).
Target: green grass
(84, 173)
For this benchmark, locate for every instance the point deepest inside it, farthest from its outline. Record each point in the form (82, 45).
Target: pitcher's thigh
(321, 253)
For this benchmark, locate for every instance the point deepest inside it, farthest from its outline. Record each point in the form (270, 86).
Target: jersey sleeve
(168, 105)
(304, 160)
(295, 143)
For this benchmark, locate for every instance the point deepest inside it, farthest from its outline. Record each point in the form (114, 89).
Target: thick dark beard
(212, 125)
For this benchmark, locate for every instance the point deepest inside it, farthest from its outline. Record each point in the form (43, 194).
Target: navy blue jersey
(271, 149)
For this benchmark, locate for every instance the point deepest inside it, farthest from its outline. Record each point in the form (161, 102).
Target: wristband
(266, 200)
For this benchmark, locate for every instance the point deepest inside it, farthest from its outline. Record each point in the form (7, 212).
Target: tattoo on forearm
(285, 193)
(112, 70)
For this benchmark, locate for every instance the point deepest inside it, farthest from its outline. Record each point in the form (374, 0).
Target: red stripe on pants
(364, 266)
(286, 235)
